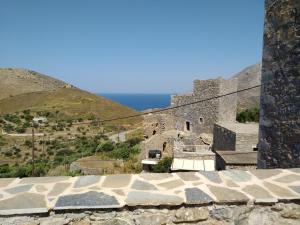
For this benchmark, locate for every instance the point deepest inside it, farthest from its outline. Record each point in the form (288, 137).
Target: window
(188, 126)
(164, 146)
(201, 120)
(154, 132)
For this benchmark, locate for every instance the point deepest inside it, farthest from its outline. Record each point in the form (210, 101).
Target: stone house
(235, 145)
(186, 124)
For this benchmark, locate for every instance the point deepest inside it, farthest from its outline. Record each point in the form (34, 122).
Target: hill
(249, 77)
(24, 89)
(19, 81)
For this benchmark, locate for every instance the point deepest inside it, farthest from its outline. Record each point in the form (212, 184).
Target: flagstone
(135, 198)
(196, 196)
(23, 204)
(227, 195)
(288, 179)
(119, 192)
(279, 191)
(19, 189)
(188, 176)
(6, 181)
(230, 183)
(211, 176)
(90, 199)
(117, 181)
(237, 175)
(257, 191)
(41, 188)
(142, 185)
(58, 189)
(171, 184)
(85, 181)
(265, 173)
(39, 180)
(295, 170)
(155, 176)
(295, 188)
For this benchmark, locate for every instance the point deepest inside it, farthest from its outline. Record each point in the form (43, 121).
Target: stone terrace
(44, 194)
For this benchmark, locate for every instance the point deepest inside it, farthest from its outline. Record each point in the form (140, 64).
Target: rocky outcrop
(249, 77)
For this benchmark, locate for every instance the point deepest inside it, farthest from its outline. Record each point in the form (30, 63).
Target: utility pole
(33, 172)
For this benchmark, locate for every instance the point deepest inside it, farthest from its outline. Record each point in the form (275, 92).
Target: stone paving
(42, 194)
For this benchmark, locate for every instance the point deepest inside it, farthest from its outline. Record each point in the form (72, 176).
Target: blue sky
(131, 46)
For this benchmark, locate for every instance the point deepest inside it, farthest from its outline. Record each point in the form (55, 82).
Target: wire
(169, 108)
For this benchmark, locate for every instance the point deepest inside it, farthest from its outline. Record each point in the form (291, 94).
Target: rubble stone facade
(279, 145)
(200, 118)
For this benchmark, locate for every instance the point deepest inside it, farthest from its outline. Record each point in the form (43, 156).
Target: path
(39, 195)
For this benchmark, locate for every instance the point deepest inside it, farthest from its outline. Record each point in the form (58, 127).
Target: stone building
(200, 118)
(183, 133)
(240, 137)
(235, 145)
(279, 141)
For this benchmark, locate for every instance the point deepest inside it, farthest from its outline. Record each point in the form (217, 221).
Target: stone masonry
(235, 136)
(203, 115)
(41, 194)
(279, 144)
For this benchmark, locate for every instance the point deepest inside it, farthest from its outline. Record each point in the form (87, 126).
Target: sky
(131, 46)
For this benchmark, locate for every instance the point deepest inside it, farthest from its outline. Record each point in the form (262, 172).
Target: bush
(8, 128)
(248, 115)
(163, 166)
(20, 130)
(107, 146)
(12, 118)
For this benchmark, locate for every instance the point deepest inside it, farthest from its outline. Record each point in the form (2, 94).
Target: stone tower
(279, 144)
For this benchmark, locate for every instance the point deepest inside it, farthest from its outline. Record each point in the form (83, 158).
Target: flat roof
(238, 158)
(193, 164)
(242, 128)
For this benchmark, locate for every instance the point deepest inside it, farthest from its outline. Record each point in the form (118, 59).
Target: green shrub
(8, 128)
(163, 166)
(107, 146)
(248, 115)
(20, 130)
(12, 118)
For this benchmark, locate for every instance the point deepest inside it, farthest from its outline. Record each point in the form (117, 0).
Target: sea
(141, 102)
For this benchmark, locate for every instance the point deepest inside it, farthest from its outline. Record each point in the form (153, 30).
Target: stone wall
(246, 142)
(235, 136)
(203, 115)
(279, 144)
(224, 139)
(277, 214)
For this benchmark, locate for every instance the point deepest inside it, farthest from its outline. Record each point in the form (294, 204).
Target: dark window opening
(188, 126)
(201, 120)
(164, 146)
(154, 132)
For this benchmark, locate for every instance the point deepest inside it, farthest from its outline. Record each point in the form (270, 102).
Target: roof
(193, 164)
(242, 128)
(150, 161)
(238, 158)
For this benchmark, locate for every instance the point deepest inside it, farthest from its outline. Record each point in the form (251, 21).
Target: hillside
(19, 81)
(23, 89)
(249, 77)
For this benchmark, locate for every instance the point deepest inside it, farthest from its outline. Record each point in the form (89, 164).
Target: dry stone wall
(277, 214)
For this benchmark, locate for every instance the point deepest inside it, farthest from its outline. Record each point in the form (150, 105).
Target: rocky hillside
(19, 81)
(25, 89)
(249, 77)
